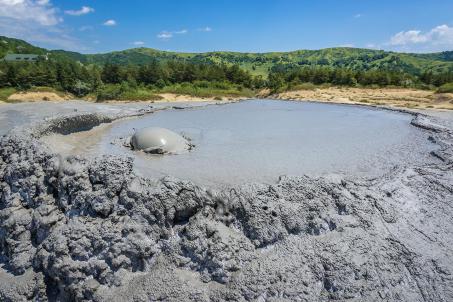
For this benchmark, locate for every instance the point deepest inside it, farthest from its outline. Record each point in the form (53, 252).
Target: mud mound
(73, 229)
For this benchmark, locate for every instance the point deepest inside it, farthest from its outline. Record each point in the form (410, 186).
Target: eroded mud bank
(79, 229)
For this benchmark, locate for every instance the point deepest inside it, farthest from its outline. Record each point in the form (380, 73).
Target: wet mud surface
(259, 140)
(81, 229)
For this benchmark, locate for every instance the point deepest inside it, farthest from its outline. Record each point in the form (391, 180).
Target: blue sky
(92, 26)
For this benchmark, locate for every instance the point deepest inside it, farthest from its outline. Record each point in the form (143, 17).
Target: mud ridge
(73, 229)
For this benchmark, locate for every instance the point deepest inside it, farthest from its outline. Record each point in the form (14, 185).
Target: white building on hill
(24, 57)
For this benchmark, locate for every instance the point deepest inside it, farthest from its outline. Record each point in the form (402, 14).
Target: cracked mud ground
(75, 229)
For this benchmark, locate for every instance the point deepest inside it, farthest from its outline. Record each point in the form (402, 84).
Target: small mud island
(81, 228)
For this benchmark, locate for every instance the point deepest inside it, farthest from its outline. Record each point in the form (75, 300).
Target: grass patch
(140, 94)
(124, 92)
(5, 93)
(447, 88)
(208, 89)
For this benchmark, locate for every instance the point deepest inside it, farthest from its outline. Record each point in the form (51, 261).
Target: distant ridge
(257, 63)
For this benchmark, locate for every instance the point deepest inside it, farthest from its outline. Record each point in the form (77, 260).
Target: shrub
(446, 88)
(124, 92)
(108, 92)
(139, 94)
(80, 88)
(6, 92)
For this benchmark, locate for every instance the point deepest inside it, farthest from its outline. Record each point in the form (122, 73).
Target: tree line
(65, 75)
(173, 72)
(280, 77)
(79, 79)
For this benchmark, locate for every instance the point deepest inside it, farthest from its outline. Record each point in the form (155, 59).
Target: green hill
(10, 45)
(259, 63)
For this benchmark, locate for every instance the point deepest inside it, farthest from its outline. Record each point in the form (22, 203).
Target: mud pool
(260, 140)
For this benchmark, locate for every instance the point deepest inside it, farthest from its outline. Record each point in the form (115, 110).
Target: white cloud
(41, 12)
(138, 43)
(110, 22)
(45, 36)
(181, 32)
(408, 37)
(205, 29)
(38, 22)
(83, 11)
(440, 36)
(358, 16)
(167, 35)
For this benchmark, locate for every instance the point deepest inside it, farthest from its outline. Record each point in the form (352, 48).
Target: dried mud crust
(73, 229)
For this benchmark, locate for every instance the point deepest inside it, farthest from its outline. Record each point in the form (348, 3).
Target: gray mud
(259, 140)
(78, 229)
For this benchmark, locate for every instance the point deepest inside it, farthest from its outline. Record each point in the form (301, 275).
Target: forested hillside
(142, 73)
(261, 63)
(10, 45)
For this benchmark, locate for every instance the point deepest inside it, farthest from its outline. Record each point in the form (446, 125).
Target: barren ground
(39, 96)
(398, 97)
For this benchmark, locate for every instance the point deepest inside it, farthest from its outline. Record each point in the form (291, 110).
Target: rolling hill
(258, 63)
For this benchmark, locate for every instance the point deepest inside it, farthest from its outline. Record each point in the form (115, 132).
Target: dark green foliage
(113, 81)
(282, 77)
(446, 88)
(436, 79)
(65, 75)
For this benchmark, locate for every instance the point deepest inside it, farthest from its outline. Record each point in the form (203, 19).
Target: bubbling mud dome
(158, 141)
(83, 217)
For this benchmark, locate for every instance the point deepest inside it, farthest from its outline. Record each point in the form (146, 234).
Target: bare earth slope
(73, 229)
(39, 96)
(397, 97)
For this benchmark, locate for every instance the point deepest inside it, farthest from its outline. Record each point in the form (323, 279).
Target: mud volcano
(83, 222)
(156, 140)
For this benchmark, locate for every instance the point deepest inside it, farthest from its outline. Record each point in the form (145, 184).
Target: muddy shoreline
(382, 97)
(91, 230)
